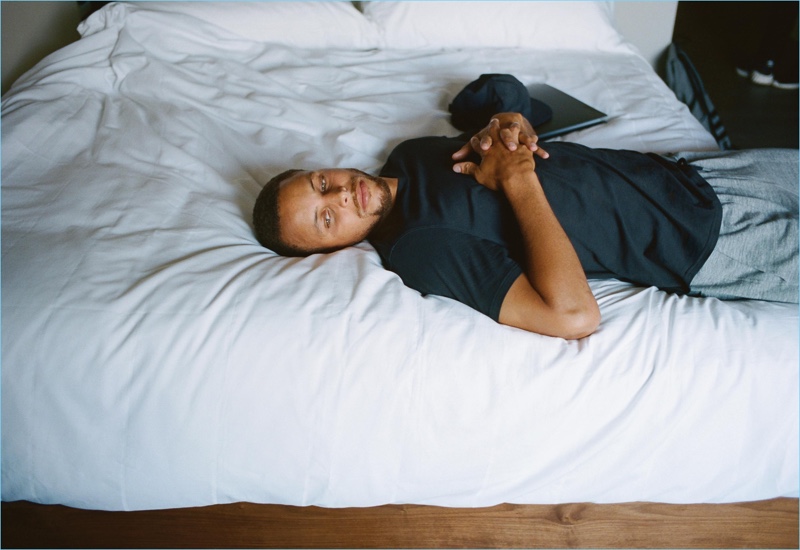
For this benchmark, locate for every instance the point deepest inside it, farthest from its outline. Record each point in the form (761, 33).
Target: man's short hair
(266, 218)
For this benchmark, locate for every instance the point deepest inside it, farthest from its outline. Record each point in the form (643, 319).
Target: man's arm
(552, 297)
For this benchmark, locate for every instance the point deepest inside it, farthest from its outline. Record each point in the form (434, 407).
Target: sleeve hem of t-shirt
(502, 290)
(711, 243)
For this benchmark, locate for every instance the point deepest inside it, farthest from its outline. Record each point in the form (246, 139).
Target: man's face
(331, 208)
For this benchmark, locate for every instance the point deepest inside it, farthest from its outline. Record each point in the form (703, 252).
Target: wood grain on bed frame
(764, 524)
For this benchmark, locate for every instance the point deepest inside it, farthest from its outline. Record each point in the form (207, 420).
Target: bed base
(763, 524)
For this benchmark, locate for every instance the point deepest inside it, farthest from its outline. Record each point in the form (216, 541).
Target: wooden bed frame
(764, 524)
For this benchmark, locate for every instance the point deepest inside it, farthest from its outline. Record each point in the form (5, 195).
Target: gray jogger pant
(756, 256)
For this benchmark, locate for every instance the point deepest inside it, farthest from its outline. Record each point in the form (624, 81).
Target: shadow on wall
(33, 30)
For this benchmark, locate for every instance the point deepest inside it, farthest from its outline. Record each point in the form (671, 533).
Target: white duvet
(154, 355)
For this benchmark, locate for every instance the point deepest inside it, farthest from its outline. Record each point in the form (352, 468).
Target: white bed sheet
(154, 355)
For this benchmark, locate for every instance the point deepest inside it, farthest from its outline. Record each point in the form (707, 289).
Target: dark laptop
(568, 113)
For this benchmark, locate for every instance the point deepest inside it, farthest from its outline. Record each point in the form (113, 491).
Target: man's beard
(385, 193)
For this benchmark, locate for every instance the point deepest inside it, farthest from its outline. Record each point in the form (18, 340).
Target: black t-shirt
(632, 216)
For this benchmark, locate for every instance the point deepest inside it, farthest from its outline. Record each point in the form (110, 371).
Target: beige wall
(648, 25)
(32, 30)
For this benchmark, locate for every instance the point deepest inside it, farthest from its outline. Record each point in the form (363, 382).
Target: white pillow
(317, 25)
(496, 24)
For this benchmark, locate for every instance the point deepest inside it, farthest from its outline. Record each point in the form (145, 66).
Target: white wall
(648, 25)
(32, 30)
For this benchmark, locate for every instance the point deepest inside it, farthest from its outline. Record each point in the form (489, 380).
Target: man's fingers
(530, 141)
(485, 135)
(510, 136)
(463, 152)
(467, 168)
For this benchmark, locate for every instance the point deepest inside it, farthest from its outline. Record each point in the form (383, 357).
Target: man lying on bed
(516, 234)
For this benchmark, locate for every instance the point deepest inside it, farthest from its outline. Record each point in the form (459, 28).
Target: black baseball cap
(490, 94)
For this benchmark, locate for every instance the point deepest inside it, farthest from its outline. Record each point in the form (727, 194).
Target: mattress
(155, 356)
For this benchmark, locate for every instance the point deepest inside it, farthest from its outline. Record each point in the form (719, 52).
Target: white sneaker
(785, 85)
(763, 76)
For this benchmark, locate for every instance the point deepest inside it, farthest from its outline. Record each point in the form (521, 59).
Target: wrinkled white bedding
(154, 355)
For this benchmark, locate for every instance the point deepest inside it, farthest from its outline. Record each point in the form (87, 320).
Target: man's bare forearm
(552, 266)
